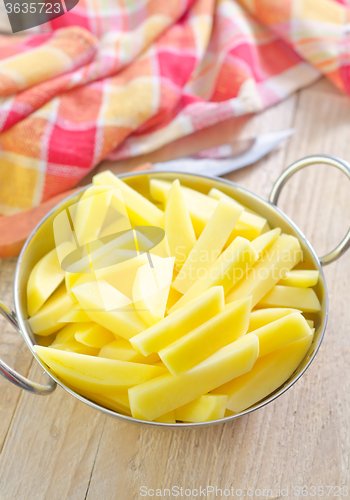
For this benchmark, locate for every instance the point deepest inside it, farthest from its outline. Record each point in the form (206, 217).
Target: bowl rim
(185, 425)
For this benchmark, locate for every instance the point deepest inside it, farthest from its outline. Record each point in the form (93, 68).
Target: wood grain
(58, 448)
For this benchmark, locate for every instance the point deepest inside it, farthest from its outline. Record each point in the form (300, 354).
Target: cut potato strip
(75, 346)
(181, 322)
(115, 254)
(203, 409)
(68, 332)
(43, 280)
(310, 322)
(45, 321)
(178, 226)
(201, 207)
(173, 297)
(263, 317)
(75, 315)
(82, 280)
(95, 336)
(46, 341)
(200, 212)
(151, 289)
(281, 332)
(267, 374)
(89, 213)
(209, 245)
(141, 211)
(118, 402)
(230, 267)
(248, 218)
(301, 278)
(70, 280)
(97, 296)
(216, 194)
(304, 299)
(100, 212)
(249, 233)
(154, 398)
(266, 240)
(96, 374)
(199, 344)
(122, 276)
(284, 254)
(168, 418)
(229, 413)
(122, 349)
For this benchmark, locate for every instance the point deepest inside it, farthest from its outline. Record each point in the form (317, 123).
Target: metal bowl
(42, 240)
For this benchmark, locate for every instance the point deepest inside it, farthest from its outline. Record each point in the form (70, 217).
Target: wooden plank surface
(56, 447)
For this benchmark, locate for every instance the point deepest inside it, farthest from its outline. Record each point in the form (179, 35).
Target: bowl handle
(11, 374)
(305, 162)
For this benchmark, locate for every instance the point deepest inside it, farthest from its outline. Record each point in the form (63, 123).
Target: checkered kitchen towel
(120, 78)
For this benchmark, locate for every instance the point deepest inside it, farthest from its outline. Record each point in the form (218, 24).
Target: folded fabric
(119, 79)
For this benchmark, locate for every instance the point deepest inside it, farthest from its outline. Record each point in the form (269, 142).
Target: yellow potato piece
(262, 317)
(45, 321)
(83, 278)
(268, 373)
(96, 374)
(301, 278)
(281, 332)
(178, 226)
(77, 347)
(88, 215)
(284, 254)
(199, 344)
(246, 232)
(70, 280)
(216, 194)
(47, 341)
(174, 326)
(230, 267)
(119, 402)
(68, 332)
(247, 219)
(266, 240)
(116, 254)
(75, 315)
(229, 413)
(122, 276)
(95, 336)
(92, 215)
(140, 210)
(151, 289)
(66, 341)
(209, 245)
(168, 418)
(173, 297)
(97, 297)
(310, 322)
(199, 212)
(122, 349)
(203, 409)
(165, 393)
(116, 401)
(304, 299)
(201, 207)
(45, 277)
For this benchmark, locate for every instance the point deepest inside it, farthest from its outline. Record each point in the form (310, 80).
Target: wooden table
(56, 447)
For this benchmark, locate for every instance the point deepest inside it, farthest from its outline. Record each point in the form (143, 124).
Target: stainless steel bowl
(42, 240)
